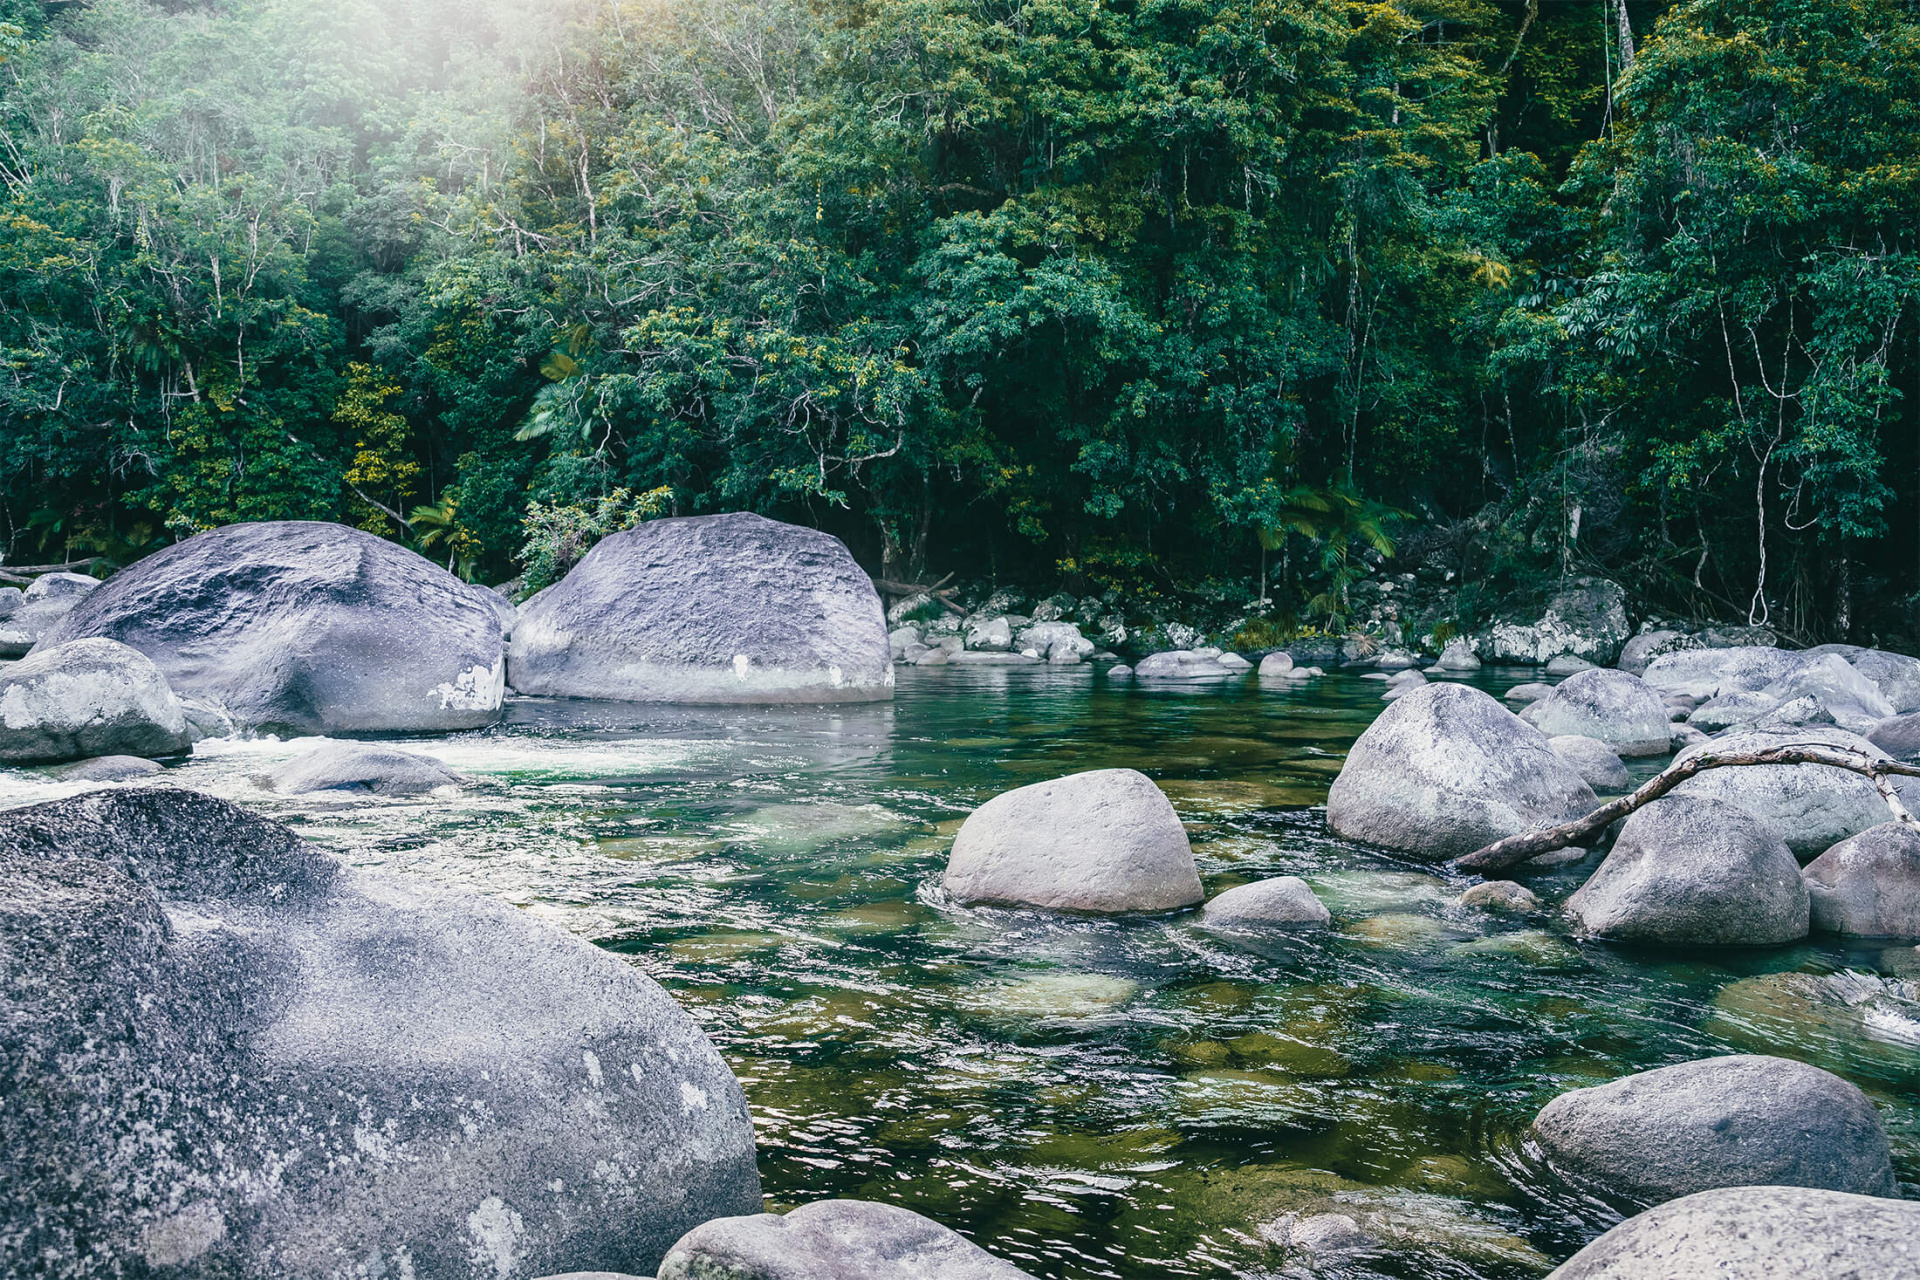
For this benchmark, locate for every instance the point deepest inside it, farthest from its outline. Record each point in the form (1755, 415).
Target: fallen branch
(25, 573)
(1518, 848)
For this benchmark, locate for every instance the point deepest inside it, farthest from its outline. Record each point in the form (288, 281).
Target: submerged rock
(87, 698)
(1759, 1233)
(1810, 806)
(361, 766)
(1281, 900)
(302, 627)
(1504, 897)
(1446, 770)
(231, 1054)
(1104, 841)
(1869, 884)
(110, 769)
(1740, 1120)
(1593, 760)
(1609, 706)
(1694, 872)
(714, 609)
(832, 1240)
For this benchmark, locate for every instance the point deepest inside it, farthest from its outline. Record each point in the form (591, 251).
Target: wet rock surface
(1868, 885)
(832, 1240)
(1607, 706)
(369, 768)
(87, 698)
(1740, 1120)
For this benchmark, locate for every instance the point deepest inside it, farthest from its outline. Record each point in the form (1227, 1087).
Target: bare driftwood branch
(25, 573)
(1518, 848)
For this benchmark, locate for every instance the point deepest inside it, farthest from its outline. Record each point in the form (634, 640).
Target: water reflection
(1092, 1098)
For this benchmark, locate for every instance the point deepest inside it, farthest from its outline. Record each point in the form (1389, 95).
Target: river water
(1092, 1098)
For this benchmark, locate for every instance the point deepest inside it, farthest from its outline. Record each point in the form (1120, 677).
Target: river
(1089, 1097)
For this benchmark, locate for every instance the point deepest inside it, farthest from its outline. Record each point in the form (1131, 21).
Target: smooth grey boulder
(110, 769)
(47, 600)
(365, 767)
(1735, 1121)
(1106, 841)
(1119, 671)
(1566, 664)
(11, 598)
(302, 627)
(1869, 884)
(1688, 871)
(1458, 656)
(1708, 673)
(1528, 693)
(832, 1240)
(1730, 709)
(1898, 736)
(87, 698)
(1609, 706)
(1281, 900)
(1054, 641)
(989, 635)
(1446, 770)
(1759, 1233)
(229, 1054)
(1810, 806)
(1642, 649)
(1683, 736)
(1599, 764)
(713, 609)
(1276, 665)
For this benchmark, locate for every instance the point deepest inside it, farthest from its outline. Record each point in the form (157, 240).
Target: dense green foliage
(1167, 298)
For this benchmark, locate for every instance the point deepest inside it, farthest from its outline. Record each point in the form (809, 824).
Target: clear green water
(1090, 1098)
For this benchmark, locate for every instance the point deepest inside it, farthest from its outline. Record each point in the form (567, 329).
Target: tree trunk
(1626, 35)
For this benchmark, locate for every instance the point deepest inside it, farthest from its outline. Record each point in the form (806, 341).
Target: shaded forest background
(1179, 301)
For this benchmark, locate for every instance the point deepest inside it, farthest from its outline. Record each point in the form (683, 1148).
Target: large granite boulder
(46, 601)
(1100, 842)
(228, 1054)
(1687, 871)
(1869, 885)
(87, 698)
(1708, 673)
(299, 627)
(1728, 710)
(1190, 664)
(1810, 806)
(832, 1240)
(1895, 675)
(1610, 706)
(367, 768)
(1446, 770)
(1848, 698)
(1759, 1233)
(727, 608)
(1736, 1121)
(1899, 736)
(1587, 618)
